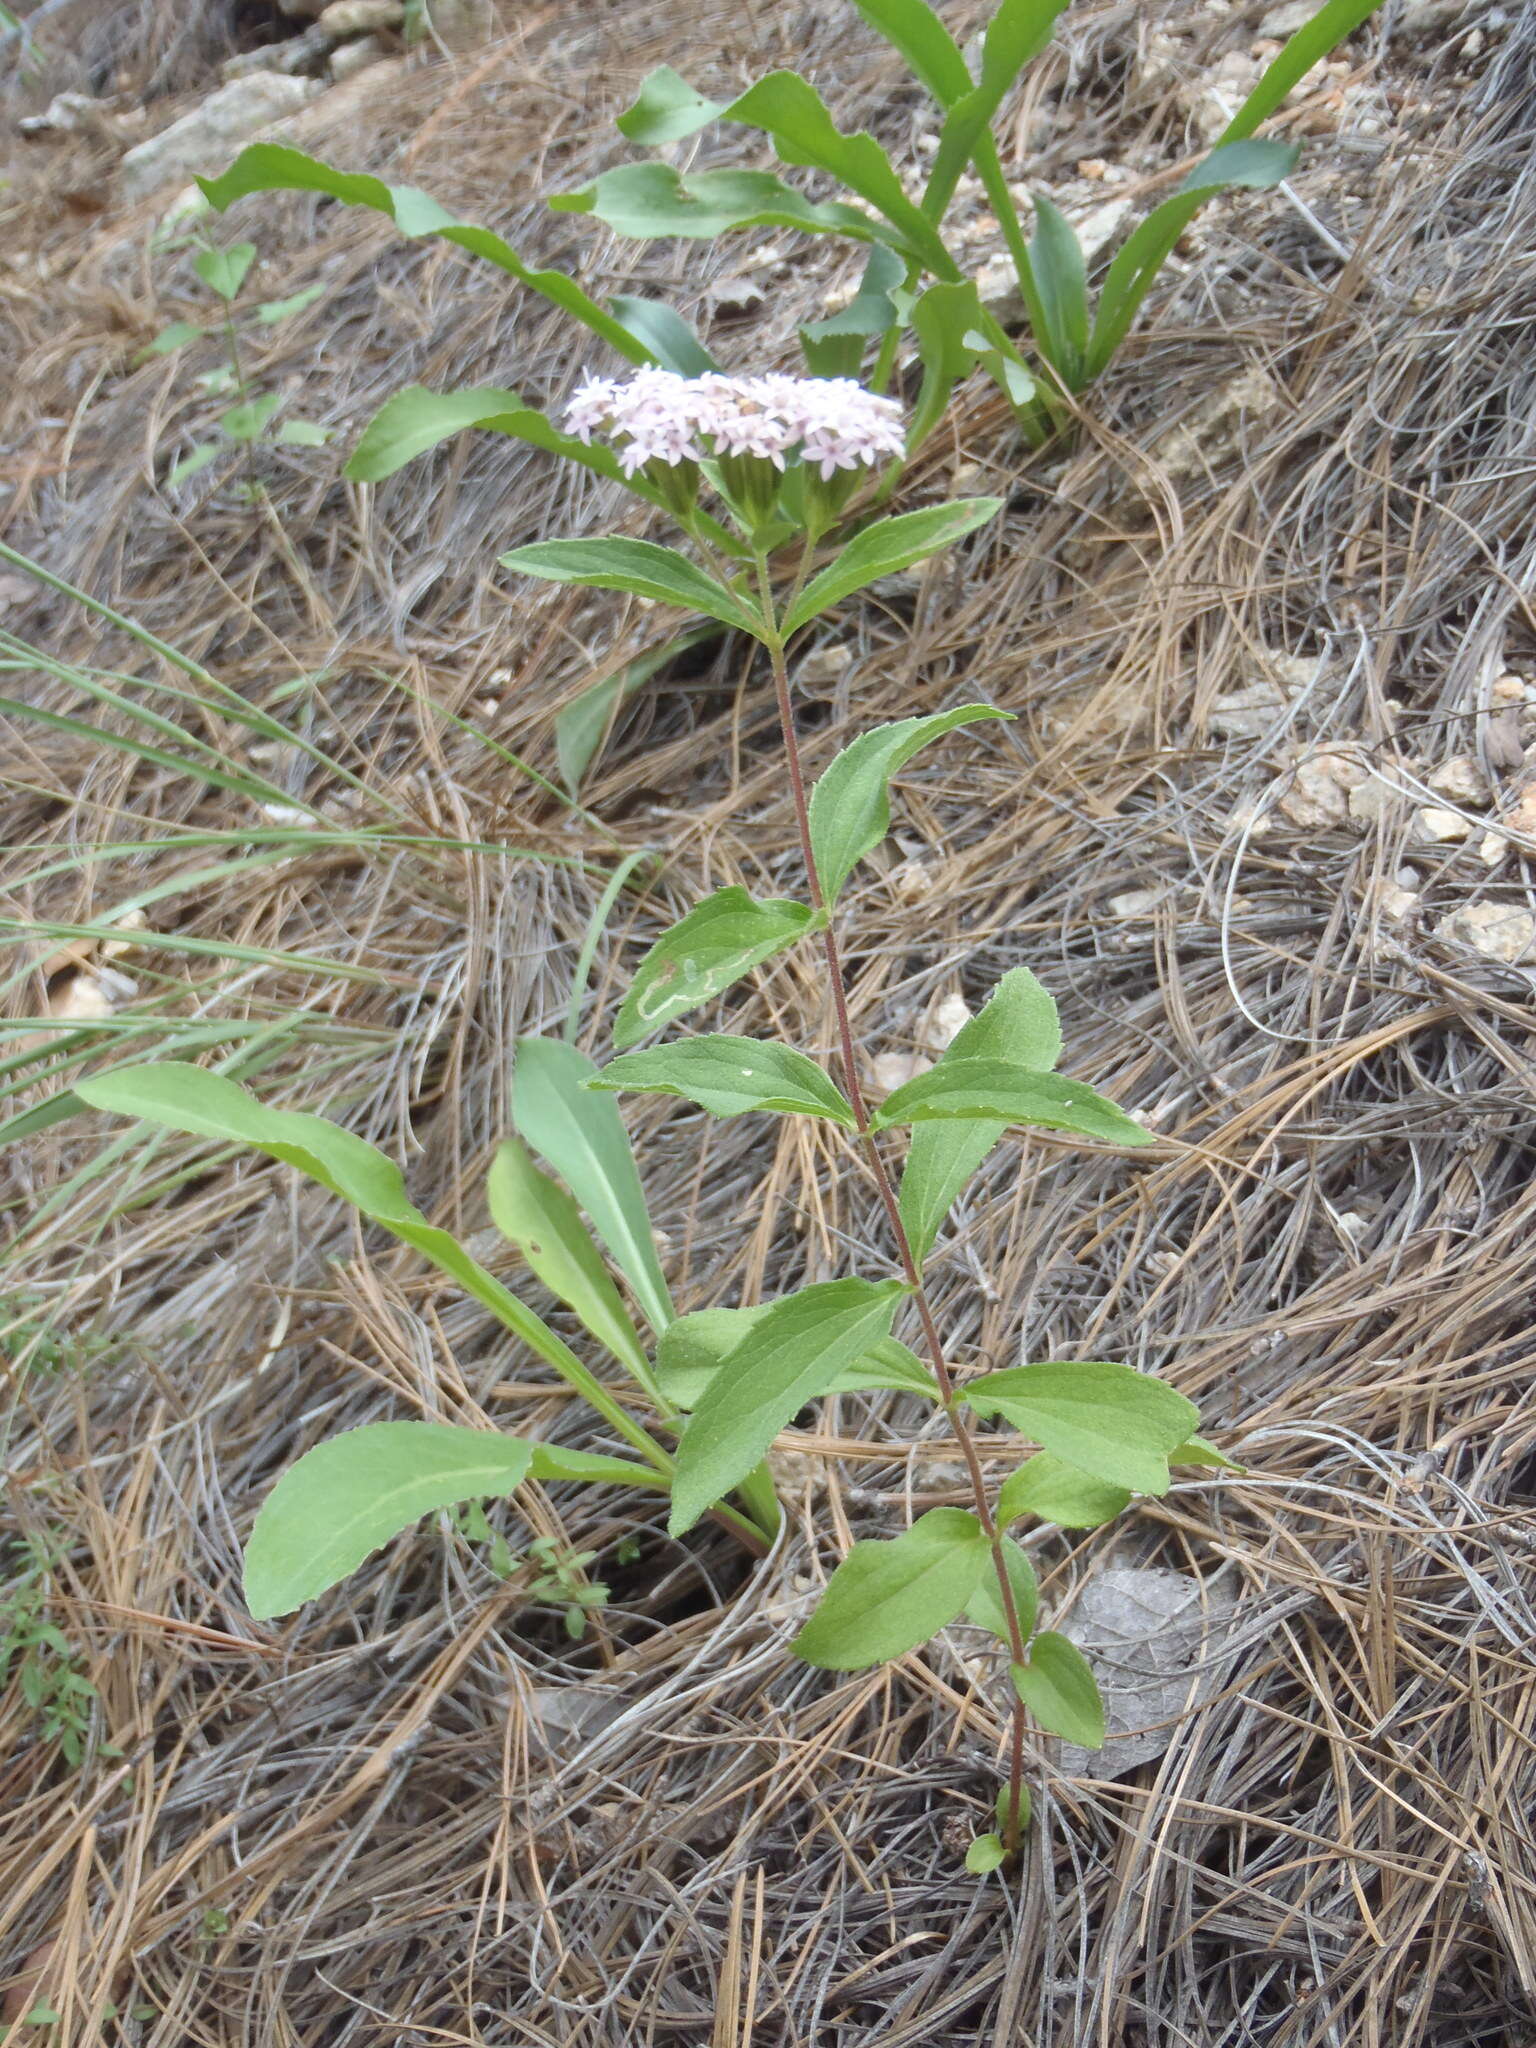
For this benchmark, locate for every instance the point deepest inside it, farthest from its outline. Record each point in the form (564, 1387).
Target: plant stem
(837, 988)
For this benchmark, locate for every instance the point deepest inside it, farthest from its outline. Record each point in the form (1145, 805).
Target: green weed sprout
(718, 1385)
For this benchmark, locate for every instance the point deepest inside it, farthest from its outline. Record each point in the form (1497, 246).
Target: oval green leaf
(1107, 1420)
(889, 1595)
(984, 1854)
(1060, 1691)
(889, 545)
(985, 1606)
(728, 1076)
(1052, 1491)
(641, 567)
(697, 1345)
(999, 1091)
(666, 109)
(647, 201)
(714, 945)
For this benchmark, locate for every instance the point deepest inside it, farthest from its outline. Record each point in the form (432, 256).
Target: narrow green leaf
(274, 311)
(244, 423)
(930, 50)
(791, 1354)
(1196, 1450)
(638, 566)
(1060, 1691)
(1003, 1806)
(190, 464)
(1055, 1492)
(1016, 34)
(347, 1496)
(995, 1090)
(1018, 1022)
(889, 1595)
(1109, 1421)
(581, 726)
(984, 1854)
(1056, 257)
(666, 335)
(850, 807)
(414, 419)
(538, 1216)
(728, 1076)
(694, 1348)
(667, 109)
(714, 945)
(592, 1468)
(583, 1138)
(647, 201)
(273, 167)
(224, 270)
(889, 545)
(302, 434)
(942, 320)
(985, 1606)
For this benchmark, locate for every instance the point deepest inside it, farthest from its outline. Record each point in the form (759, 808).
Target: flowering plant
(723, 1382)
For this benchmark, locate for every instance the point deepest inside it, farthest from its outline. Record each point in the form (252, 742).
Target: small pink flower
(831, 423)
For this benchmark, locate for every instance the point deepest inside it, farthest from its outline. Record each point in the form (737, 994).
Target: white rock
(204, 140)
(1491, 849)
(1499, 931)
(1376, 801)
(1282, 22)
(360, 17)
(1521, 815)
(1462, 780)
(1215, 427)
(948, 1021)
(892, 1070)
(357, 56)
(1248, 713)
(1136, 902)
(912, 881)
(1433, 823)
(825, 664)
(1316, 796)
(1390, 899)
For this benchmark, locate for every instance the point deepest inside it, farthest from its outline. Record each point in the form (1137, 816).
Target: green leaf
(942, 320)
(591, 1468)
(189, 465)
(1055, 1492)
(651, 201)
(1016, 34)
(728, 1076)
(1131, 276)
(302, 434)
(1109, 1421)
(985, 1606)
(169, 339)
(538, 1216)
(243, 423)
(347, 1496)
(414, 420)
(273, 167)
(1003, 1806)
(889, 1595)
(583, 1138)
(1060, 1691)
(998, 1090)
(694, 1348)
(1018, 1022)
(850, 809)
(714, 945)
(667, 336)
(1196, 1450)
(889, 545)
(273, 311)
(791, 1354)
(1056, 257)
(834, 347)
(581, 726)
(182, 1097)
(667, 109)
(223, 270)
(984, 1854)
(638, 566)
(930, 50)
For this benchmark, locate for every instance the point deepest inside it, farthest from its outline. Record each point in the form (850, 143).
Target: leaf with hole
(729, 1076)
(1000, 1091)
(1109, 1421)
(890, 1594)
(348, 1496)
(887, 546)
(850, 809)
(718, 942)
(1059, 1689)
(792, 1353)
(985, 1606)
(1052, 1491)
(640, 567)
(1018, 1022)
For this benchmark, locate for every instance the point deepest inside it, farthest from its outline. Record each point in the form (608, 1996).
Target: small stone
(1317, 794)
(1092, 168)
(948, 1021)
(297, 54)
(1512, 689)
(828, 663)
(1375, 801)
(358, 55)
(892, 1070)
(1491, 849)
(1462, 780)
(1389, 899)
(1498, 931)
(205, 139)
(1136, 902)
(912, 881)
(1249, 713)
(1521, 815)
(360, 17)
(1215, 427)
(1433, 823)
(997, 286)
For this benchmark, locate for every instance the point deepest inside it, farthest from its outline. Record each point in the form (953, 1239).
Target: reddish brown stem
(837, 987)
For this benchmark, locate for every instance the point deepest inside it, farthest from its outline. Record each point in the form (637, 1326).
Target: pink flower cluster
(657, 416)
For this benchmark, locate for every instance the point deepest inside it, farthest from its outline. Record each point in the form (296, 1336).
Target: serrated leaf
(224, 270)
(582, 1136)
(351, 1494)
(1059, 1689)
(666, 109)
(639, 566)
(1018, 1022)
(538, 1216)
(1052, 1491)
(791, 1354)
(1000, 1091)
(834, 347)
(274, 167)
(984, 1854)
(889, 545)
(647, 201)
(850, 809)
(729, 1076)
(714, 945)
(694, 1348)
(985, 1606)
(1107, 1420)
(890, 1594)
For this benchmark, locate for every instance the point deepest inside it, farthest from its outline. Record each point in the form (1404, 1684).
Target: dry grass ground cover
(1264, 825)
